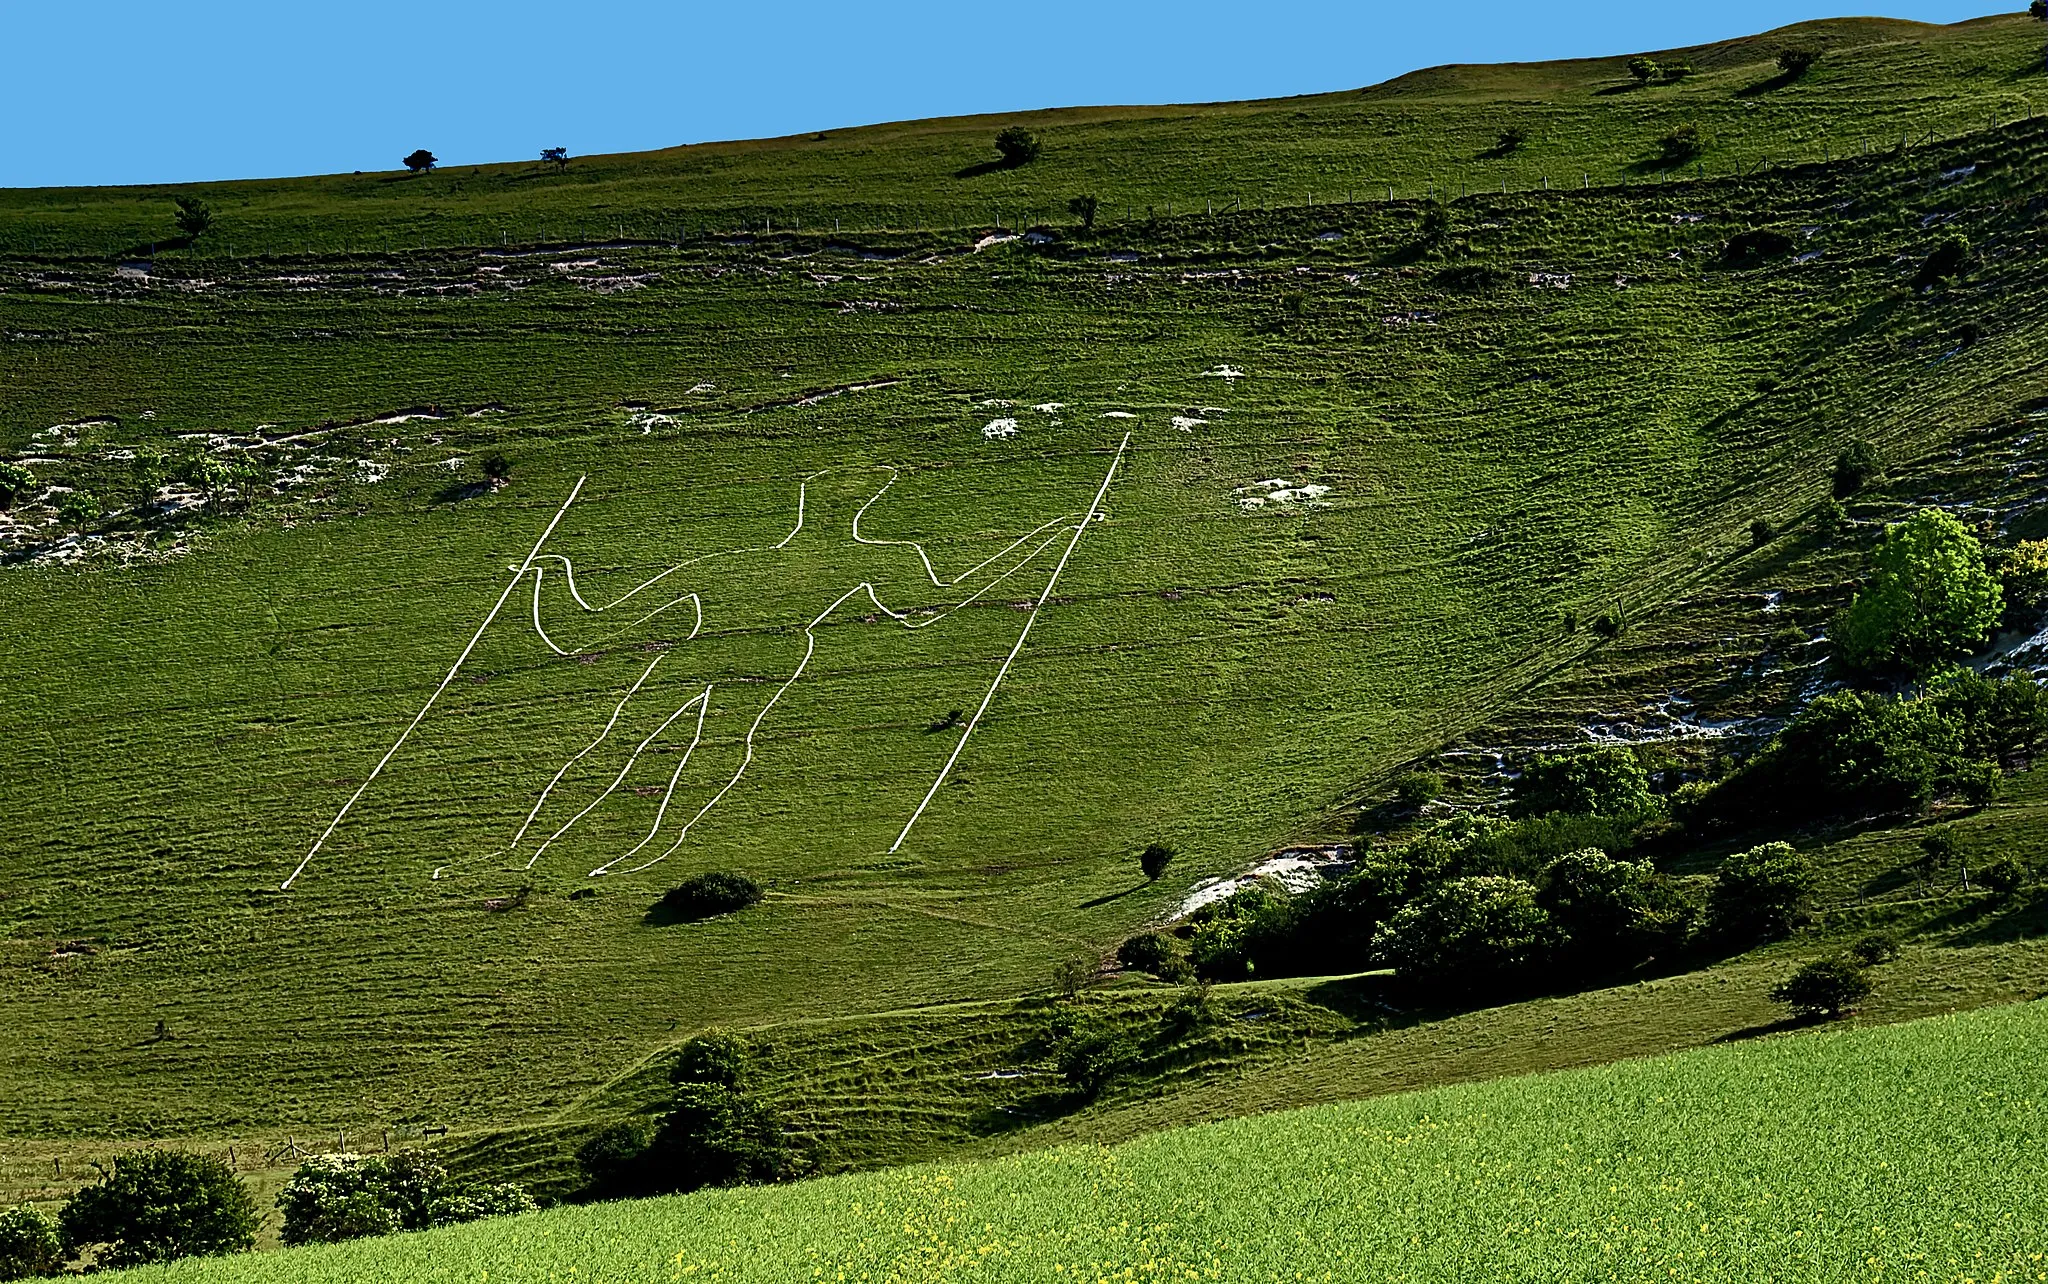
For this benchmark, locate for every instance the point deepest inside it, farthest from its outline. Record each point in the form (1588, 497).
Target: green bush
(2003, 876)
(1757, 246)
(611, 1159)
(16, 483)
(716, 1135)
(1643, 69)
(337, 1197)
(723, 1059)
(1761, 532)
(1159, 953)
(1091, 1058)
(1824, 988)
(1760, 893)
(1417, 789)
(1680, 145)
(1231, 938)
(1943, 262)
(1083, 208)
(1467, 934)
(1017, 146)
(708, 895)
(158, 1205)
(2023, 574)
(1675, 70)
(1608, 781)
(1152, 862)
(1873, 948)
(1797, 62)
(29, 1246)
(79, 509)
(1929, 599)
(1856, 466)
(1612, 913)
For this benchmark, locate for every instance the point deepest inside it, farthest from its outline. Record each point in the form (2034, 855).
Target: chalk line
(419, 717)
(1094, 507)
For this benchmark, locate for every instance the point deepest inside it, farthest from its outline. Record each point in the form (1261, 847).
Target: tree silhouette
(556, 156)
(194, 216)
(1084, 207)
(421, 161)
(1018, 146)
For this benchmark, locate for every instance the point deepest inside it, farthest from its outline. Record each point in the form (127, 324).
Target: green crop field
(1902, 1152)
(963, 565)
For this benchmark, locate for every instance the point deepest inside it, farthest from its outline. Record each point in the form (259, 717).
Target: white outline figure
(1065, 526)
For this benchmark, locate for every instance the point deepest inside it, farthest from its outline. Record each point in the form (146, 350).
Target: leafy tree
(1467, 933)
(722, 1059)
(498, 469)
(715, 1135)
(1676, 70)
(421, 161)
(1017, 146)
(16, 482)
(1154, 860)
(29, 1245)
(1761, 892)
(79, 509)
(337, 1197)
(1083, 208)
(1943, 262)
(708, 895)
(1232, 935)
(1643, 69)
(1611, 913)
(157, 1205)
(1761, 532)
(1607, 781)
(2038, 9)
(194, 216)
(1823, 989)
(556, 156)
(1418, 789)
(1511, 140)
(1930, 599)
(1939, 849)
(1797, 62)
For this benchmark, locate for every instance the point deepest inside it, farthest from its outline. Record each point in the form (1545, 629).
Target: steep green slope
(1847, 1156)
(1595, 429)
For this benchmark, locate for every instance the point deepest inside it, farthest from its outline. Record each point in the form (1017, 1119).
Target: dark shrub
(1612, 913)
(1643, 69)
(2023, 574)
(715, 1135)
(16, 483)
(29, 1246)
(1083, 208)
(1511, 140)
(1874, 948)
(1609, 624)
(158, 1205)
(1158, 953)
(1417, 789)
(1017, 146)
(421, 160)
(1761, 532)
(1760, 893)
(1597, 782)
(708, 895)
(1825, 988)
(2003, 876)
(1676, 70)
(1239, 936)
(722, 1059)
(194, 216)
(1152, 862)
(1091, 1058)
(1856, 466)
(1680, 145)
(497, 468)
(1475, 933)
(1757, 245)
(1943, 262)
(610, 1160)
(1797, 62)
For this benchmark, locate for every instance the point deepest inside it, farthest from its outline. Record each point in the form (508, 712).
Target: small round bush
(16, 482)
(1158, 953)
(2003, 876)
(722, 1059)
(1152, 862)
(610, 1160)
(29, 1247)
(1761, 532)
(1875, 948)
(1856, 466)
(159, 1205)
(1090, 1060)
(708, 895)
(1017, 146)
(1418, 789)
(1823, 989)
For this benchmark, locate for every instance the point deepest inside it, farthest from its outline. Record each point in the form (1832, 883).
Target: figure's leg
(700, 700)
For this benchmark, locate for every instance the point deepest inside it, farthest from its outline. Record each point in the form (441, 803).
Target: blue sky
(120, 92)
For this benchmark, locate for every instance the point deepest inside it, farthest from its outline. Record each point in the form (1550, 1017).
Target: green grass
(1905, 1151)
(179, 730)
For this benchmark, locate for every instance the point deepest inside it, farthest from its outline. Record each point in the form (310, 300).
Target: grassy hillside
(1844, 1156)
(1879, 81)
(193, 700)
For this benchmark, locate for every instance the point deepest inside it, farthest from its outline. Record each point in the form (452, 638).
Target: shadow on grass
(1771, 85)
(1114, 896)
(1784, 1025)
(983, 169)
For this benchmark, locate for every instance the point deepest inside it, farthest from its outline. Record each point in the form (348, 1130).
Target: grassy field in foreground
(1904, 1152)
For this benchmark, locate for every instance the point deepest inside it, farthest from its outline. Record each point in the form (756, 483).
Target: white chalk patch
(1050, 407)
(1123, 256)
(369, 472)
(994, 238)
(1037, 238)
(999, 428)
(1187, 423)
(1329, 236)
(995, 403)
(406, 417)
(1117, 414)
(1224, 372)
(1292, 870)
(1551, 280)
(700, 388)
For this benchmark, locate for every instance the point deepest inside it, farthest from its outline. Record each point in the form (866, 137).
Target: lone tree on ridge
(421, 161)
(1017, 146)
(194, 216)
(556, 156)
